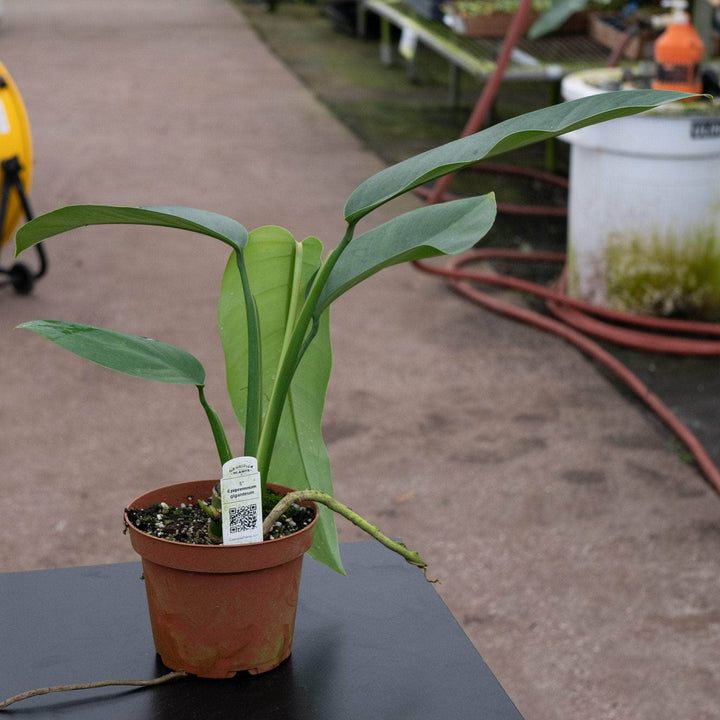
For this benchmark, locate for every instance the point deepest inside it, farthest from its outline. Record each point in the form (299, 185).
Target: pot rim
(193, 557)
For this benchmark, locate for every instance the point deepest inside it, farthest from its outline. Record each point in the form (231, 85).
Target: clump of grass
(476, 8)
(666, 276)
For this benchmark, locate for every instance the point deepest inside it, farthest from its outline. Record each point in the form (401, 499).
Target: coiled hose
(573, 320)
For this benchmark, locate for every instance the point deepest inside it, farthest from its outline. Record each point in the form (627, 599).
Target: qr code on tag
(243, 518)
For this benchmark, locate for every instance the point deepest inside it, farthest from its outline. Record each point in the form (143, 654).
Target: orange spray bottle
(678, 53)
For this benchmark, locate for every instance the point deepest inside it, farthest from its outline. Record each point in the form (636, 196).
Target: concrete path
(576, 550)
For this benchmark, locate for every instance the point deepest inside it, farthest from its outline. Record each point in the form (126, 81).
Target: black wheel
(21, 278)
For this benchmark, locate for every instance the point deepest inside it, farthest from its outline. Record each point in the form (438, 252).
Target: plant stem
(215, 528)
(295, 291)
(88, 686)
(218, 431)
(290, 358)
(253, 411)
(318, 496)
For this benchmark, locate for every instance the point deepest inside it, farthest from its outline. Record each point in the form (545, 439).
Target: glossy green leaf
(299, 458)
(129, 354)
(59, 221)
(555, 16)
(509, 135)
(443, 229)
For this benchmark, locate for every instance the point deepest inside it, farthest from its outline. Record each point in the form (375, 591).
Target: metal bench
(546, 59)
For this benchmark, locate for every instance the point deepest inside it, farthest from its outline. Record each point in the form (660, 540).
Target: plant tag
(408, 44)
(239, 466)
(241, 501)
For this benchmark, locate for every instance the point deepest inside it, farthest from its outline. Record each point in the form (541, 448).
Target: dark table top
(379, 644)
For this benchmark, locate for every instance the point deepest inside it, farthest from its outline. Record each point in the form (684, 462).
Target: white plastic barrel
(644, 207)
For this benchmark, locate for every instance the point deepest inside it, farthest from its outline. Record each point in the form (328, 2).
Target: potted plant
(492, 18)
(274, 326)
(487, 18)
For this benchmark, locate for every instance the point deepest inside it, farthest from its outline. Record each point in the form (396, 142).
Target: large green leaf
(129, 354)
(444, 229)
(299, 457)
(511, 134)
(220, 227)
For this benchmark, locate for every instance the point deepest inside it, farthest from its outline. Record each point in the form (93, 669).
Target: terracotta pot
(492, 25)
(216, 610)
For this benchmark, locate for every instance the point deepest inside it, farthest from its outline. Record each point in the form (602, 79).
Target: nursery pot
(644, 206)
(216, 610)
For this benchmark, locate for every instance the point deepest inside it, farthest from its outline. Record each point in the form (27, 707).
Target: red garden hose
(576, 317)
